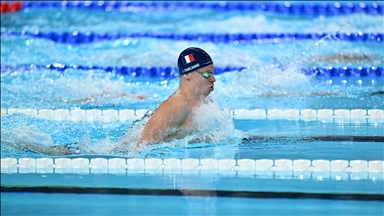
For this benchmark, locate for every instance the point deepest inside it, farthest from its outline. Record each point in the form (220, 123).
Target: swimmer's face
(205, 79)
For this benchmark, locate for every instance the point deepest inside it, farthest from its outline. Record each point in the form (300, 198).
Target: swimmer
(108, 94)
(96, 98)
(173, 118)
(302, 94)
(316, 93)
(348, 58)
(54, 150)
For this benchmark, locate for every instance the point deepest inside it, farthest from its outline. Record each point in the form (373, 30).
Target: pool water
(150, 205)
(132, 193)
(305, 141)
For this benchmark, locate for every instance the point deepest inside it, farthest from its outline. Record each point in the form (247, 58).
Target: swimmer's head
(192, 59)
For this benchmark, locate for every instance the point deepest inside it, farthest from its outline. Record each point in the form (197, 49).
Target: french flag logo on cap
(188, 58)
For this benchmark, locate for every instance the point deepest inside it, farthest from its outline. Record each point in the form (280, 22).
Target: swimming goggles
(206, 74)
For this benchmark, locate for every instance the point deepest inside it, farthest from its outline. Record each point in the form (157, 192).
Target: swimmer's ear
(187, 76)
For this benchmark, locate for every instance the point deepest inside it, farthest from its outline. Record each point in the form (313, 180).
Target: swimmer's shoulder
(175, 110)
(178, 98)
(176, 102)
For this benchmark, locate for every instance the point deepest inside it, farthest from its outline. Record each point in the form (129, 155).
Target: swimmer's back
(171, 117)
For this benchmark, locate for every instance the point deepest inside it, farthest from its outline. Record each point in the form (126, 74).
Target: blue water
(184, 21)
(272, 80)
(43, 203)
(288, 142)
(129, 51)
(53, 90)
(69, 204)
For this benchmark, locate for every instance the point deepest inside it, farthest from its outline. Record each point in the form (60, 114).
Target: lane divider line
(192, 192)
(78, 37)
(121, 165)
(294, 8)
(111, 115)
(172, 72)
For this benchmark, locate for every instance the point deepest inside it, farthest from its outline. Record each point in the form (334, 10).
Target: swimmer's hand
(198, 140)
(55, 150)
(204, 139)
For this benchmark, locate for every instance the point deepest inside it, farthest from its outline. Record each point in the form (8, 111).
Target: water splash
(284, 77)
(31, 139)
(214, 123)
(214, 126)
(276, 78)
(26, 134)
(47, 89)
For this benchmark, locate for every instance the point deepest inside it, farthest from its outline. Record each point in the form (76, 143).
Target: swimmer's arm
(48, 150)
(301, 94)
(132, 96)
(169, 116)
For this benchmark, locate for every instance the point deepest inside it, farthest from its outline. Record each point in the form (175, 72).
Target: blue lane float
(77, 37)
(294, 8)
(165, 72)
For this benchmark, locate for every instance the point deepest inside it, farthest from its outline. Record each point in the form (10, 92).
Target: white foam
(263, 81)
(214, 123)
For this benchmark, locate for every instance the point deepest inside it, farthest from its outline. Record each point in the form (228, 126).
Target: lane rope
(293, 8)
(165, 72)
(111, 115)
(77, 37)
(122, 165)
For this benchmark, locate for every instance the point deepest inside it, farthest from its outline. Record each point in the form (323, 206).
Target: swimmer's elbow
(141, 142)
(145, 141)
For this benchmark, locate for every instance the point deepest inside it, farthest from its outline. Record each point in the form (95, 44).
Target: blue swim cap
(191, 59)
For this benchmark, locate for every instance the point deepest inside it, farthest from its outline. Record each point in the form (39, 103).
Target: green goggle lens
(206, 74)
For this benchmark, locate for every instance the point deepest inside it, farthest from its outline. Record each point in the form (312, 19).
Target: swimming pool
(298, 117)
